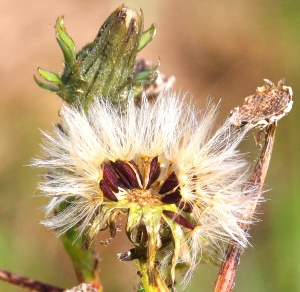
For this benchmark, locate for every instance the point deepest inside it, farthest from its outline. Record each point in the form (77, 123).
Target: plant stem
(226, 275)
(158, 284)
(85, 262)
(27, 283)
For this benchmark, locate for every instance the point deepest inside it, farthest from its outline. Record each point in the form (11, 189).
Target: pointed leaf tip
(146, 77)
(45, 85)
(65, 41)
(50, 76)
(147, 36)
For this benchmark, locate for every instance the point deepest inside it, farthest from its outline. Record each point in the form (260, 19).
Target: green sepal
(50, 76)
(45, 85)
(65, 42)
(147, 37)
(66, 51)
(146, 77)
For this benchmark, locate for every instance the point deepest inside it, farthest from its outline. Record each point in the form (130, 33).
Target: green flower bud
(104, 67)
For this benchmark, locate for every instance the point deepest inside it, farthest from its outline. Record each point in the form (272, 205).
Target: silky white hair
(211, 172)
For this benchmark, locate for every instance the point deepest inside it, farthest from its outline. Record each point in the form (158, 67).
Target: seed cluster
(147, 189)
(142, 186)
(127, 176)
(179, 185)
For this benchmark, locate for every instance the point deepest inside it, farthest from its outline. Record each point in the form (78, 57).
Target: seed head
(179, 182)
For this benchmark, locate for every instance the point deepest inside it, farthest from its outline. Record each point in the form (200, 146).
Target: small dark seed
(136, 169)
(107, 191)
(179, 219)
(172, 198)
(154, 171)
(111, 178)
(121, 176)
(169, 184)
(128, 173)
(185, 206)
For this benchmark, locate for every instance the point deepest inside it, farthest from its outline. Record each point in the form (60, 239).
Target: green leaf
(45, 86)
(50, 76)
(65, 41)
(147, 36)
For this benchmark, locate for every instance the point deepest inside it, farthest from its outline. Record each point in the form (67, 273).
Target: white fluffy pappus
(178, 164)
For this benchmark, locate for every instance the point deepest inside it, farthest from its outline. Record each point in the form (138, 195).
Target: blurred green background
(217, 48)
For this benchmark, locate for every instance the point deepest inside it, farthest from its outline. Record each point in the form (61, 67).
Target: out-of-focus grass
(217, 48)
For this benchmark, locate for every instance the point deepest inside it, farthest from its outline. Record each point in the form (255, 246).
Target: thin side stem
(226, 275)
(27, 283)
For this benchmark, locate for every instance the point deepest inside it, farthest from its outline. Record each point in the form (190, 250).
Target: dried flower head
(179, 182)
